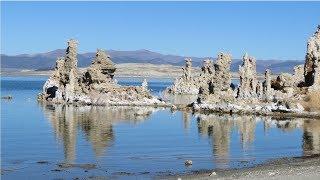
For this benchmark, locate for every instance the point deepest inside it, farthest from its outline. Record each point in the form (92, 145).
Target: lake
(57, 141)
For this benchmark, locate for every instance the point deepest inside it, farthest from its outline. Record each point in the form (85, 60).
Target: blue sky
(266, 30)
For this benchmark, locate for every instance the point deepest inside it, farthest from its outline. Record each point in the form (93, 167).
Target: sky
(266, 30)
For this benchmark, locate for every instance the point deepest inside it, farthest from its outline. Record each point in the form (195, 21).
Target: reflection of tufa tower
(64, 122)
(97, 127)
(311, 132)
(186, 120)
(246, 127)
(311, 137)
(95, 122)
(219, 128)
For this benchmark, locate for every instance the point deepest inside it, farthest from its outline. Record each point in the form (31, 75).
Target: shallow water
(143, 142)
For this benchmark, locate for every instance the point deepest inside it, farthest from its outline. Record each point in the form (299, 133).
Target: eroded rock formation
(217, 84)
(267, 90)
(285, 80)
(63, 84)
(101, 70)
(312, 63)
(248, 78)
(213, 88)
(95, 86)
(222, 75)
(284, 94)
(186, 84)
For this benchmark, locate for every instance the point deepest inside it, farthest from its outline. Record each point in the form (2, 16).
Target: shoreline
(298, 167)
(125, 70)
(287, 167)
(274, 114)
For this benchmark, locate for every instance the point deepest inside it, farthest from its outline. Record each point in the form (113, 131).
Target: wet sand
(307, 167)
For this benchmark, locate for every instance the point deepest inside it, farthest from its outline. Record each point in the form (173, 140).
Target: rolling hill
(46, 61)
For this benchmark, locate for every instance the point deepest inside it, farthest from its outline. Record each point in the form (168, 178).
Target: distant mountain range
(46, 61)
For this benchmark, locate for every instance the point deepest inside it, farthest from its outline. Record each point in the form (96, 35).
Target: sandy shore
(123, 70)
(285, 168)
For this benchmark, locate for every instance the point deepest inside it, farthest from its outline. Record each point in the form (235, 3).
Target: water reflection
(96, 123)
(186, 117)
(220, 127)
(232, 138)
(246, 128)
(311, 137)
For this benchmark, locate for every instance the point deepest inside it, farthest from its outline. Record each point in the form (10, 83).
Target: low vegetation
(312, 101)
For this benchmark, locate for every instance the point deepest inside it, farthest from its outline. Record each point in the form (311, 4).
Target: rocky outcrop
(298, 78)
(213, 79)
(213, 88)
(287, 85)
(312, 63)
(99, 76)
(222, 75)
(63, 84)
(248, 78)
(101, 70)
(286, 80)
(187, 70)
(219, 86)
(95, 86)
(316, 82)
(207, 72)
(206, 75)
(144, 84)
(284, 94)
(267, 90)
(186, 84)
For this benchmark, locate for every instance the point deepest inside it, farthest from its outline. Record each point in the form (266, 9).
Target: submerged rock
(188, 163)
(9, 97)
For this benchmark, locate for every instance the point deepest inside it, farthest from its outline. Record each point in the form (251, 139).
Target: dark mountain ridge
(47, 60)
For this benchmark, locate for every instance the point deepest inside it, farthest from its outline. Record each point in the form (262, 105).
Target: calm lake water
(135, 142)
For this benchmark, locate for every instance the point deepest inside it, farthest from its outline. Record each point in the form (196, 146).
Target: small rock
(213, 174)
(7, 97)
(43, 162)
(173, 107)
(57, 170)
(188, 163)
(272, 173)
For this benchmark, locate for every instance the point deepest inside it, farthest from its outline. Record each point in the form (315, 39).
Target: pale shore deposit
(285, 168)
(123, 70)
